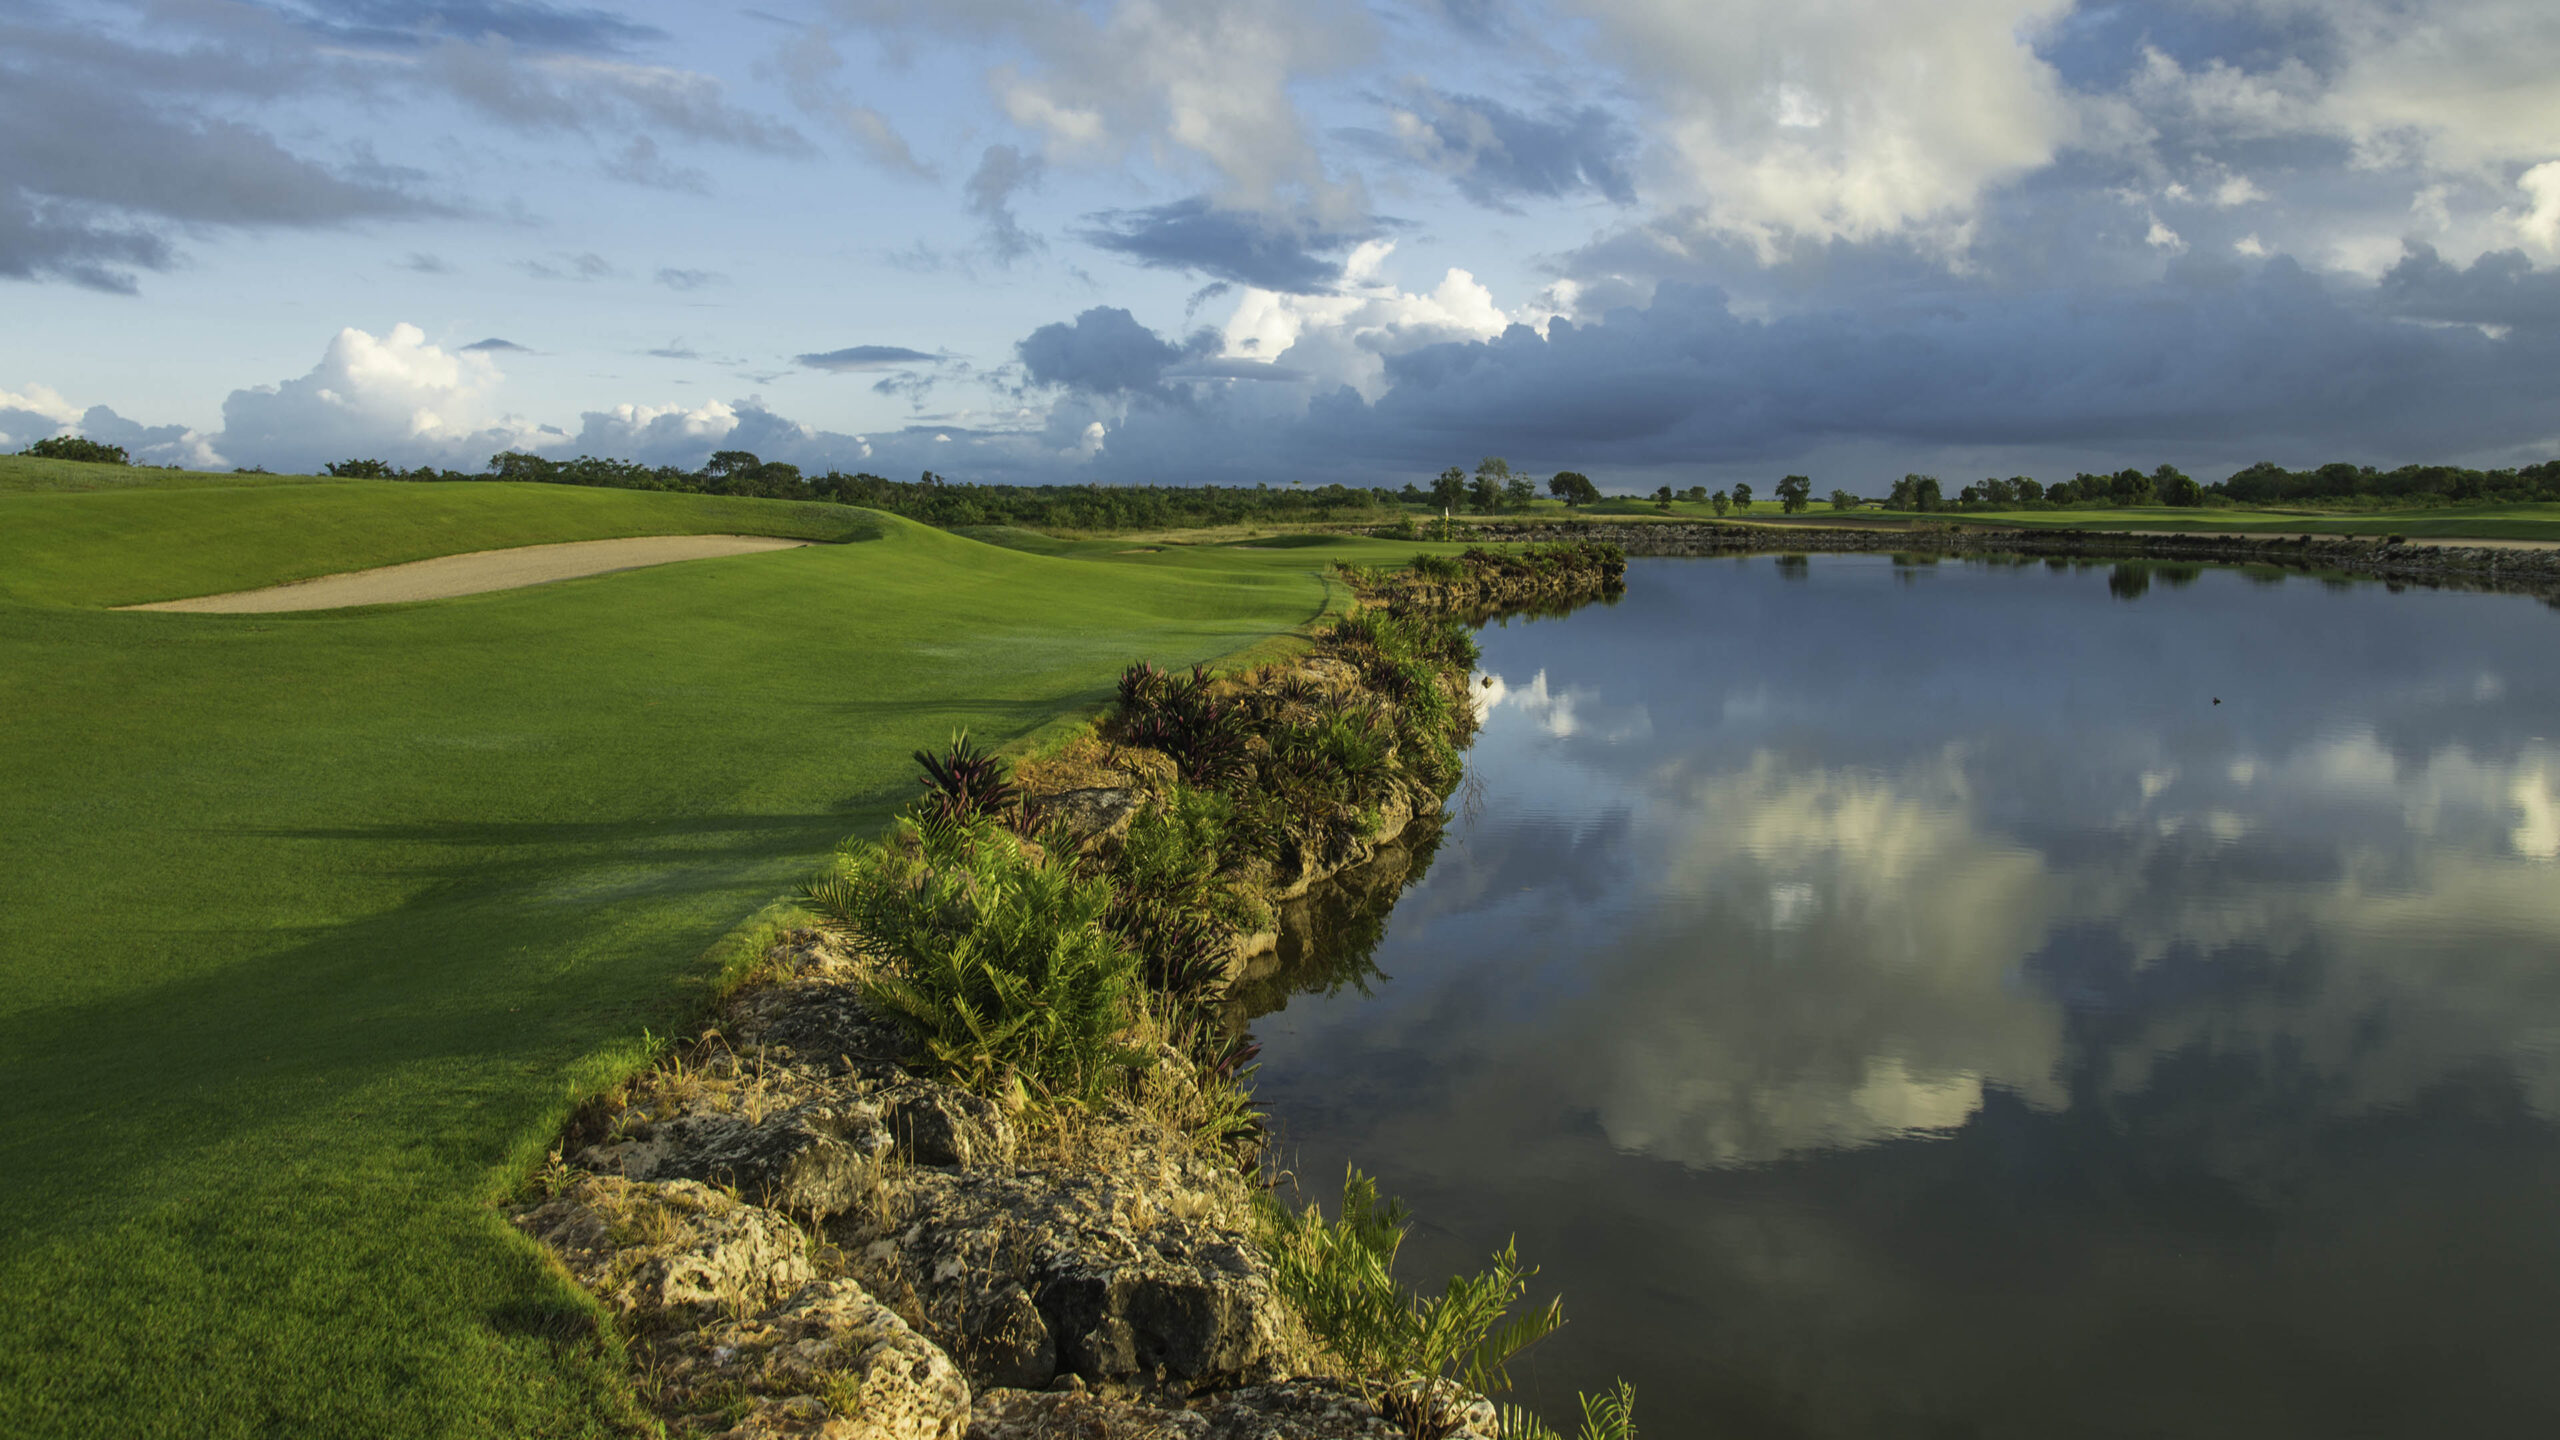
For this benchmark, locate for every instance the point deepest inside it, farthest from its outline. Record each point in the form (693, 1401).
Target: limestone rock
(943, 1125)
(1138, 1272)
(832, 1363)
(818, 1157)
(1097, 818)
(816, 1026)
(671, 1253)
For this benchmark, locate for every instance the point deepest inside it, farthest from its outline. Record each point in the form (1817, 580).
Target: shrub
(1207, 736)
(74, 447)
(995, 959)
(1439, 567)
(1340, 1276)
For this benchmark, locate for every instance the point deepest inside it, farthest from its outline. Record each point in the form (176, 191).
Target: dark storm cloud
(1105, 351)
(2500, 288)
(1003, 170)
(1197, 237)
(1497, 155)
(2096, 47)
(393, 23)
(2213, 354)
(2214, 366)
(40, 241)
(865, 357)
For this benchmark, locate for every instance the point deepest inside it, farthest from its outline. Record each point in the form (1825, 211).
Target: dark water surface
(1895, 1000)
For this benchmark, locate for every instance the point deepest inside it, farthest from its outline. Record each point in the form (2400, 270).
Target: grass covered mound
(314, 926)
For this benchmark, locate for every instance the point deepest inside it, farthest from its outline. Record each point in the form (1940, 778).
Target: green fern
(1340, 1275)
(1610, 1415)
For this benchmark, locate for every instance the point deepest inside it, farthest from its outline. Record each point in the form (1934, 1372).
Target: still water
(1896, 1000)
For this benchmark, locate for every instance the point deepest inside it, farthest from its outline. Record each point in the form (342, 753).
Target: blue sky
(1205, 240)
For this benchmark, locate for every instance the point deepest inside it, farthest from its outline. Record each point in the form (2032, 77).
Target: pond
(1987, 999)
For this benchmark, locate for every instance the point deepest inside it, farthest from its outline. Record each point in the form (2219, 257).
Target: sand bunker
(482, 570)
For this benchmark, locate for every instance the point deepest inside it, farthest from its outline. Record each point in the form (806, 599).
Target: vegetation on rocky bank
(974, 1154)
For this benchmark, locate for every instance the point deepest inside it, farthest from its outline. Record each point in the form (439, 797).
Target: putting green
(311, 925)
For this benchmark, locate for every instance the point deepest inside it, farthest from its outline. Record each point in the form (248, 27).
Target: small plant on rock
(1340, 1275)
(964, 782)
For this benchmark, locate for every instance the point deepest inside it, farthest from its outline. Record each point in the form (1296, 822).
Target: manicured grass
(312, 925)
(126, 547)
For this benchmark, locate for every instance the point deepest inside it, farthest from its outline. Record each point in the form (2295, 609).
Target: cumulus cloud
(1197, 236)
(396, 396)
(864, 357)
(1105, 351)
(1858, 120)
(1499, 156)
(1344, 338)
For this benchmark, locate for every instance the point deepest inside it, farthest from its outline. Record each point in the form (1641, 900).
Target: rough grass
(312, 926)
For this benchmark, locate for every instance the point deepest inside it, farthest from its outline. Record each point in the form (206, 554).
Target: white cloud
(1173, 80)
(1343, 338)
(396, 397)
(1851, 119)
(2540, 222)
(41, 400)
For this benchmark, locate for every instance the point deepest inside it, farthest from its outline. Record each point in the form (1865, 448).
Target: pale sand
(482, 570)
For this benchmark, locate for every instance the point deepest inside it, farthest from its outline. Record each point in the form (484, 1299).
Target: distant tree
(1413, 494)
(1519, 492)
(2028, 491)
(1573, 488)
(1662, 497)
(1742, 498)
(1486, 490)
(2175, 487)
(74, 447)
(362, 470)
(1721, 501)
(1843, 500)
(1927, 496)
(2130, 487)
(1695, 494)
(1449, 489)
(1794, 492)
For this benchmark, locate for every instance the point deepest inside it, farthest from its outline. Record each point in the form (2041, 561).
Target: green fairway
(311, 924)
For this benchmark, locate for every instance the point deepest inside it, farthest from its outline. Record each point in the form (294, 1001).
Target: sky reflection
(1962, 869)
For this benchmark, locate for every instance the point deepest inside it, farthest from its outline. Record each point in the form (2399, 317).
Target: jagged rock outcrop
(670, 1254)
(832, 1362)
(1135, 1274)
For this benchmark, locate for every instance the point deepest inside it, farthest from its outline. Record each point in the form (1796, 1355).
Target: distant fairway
(310, 924)
(2495, 521)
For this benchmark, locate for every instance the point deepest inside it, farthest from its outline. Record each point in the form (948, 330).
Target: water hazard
(1894, 999)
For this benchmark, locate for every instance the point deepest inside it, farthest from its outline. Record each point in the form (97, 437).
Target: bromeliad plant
(965, 782)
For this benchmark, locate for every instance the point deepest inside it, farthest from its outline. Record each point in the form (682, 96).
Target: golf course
(314, 925)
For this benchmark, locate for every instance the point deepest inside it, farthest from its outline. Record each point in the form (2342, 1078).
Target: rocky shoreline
(803, 1226)
(2436, 565)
